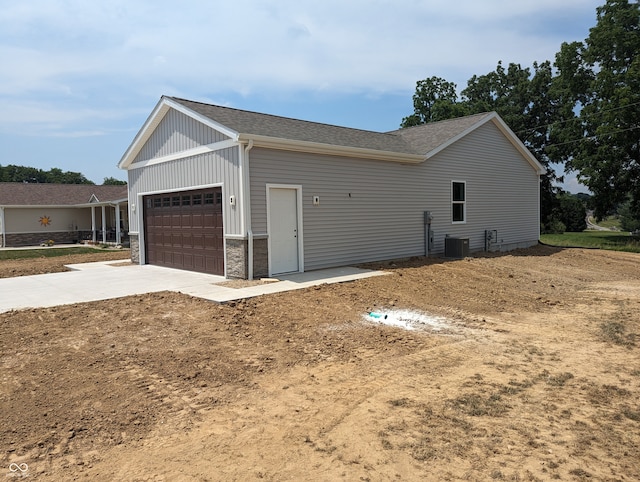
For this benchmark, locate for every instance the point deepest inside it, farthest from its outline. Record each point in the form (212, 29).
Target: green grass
(613, 240)
(611, 222)
(43, 253)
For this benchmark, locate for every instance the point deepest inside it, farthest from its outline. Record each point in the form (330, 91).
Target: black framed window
(458, 201)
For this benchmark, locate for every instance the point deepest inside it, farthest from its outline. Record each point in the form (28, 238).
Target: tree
(573, 213)
(12, 173)
(112, 181)
(628, 218)
(606, 153)
(435, 99)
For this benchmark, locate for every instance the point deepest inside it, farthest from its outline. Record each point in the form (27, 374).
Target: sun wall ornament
(45, 221)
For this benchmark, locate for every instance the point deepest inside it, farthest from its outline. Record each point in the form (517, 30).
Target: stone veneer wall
(34, 239)
(134, 244)
(237, 258)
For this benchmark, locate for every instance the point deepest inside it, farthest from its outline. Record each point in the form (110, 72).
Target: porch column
(104, 226)
(118, 237)
(93, 224)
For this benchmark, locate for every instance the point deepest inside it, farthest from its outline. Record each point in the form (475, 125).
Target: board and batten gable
(374, 210)
(176, 133)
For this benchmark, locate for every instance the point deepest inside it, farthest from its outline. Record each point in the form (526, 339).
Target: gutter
(320, 148)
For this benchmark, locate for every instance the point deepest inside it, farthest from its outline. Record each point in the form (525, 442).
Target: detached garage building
(244, 194)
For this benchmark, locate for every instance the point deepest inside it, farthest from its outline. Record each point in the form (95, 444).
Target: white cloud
(89, 53)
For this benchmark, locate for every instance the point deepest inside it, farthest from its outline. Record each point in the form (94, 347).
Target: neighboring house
(244, 194)
(31, 213)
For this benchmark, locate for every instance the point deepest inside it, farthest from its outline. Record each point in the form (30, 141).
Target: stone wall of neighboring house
(35, 239)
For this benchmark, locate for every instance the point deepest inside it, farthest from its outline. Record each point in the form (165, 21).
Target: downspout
(3, 231)
(247, 207)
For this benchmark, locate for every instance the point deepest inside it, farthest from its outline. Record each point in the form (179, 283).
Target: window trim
(463, 202)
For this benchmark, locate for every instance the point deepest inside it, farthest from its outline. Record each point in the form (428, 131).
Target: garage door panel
(184, 230)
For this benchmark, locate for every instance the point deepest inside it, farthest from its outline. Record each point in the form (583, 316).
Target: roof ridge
(280, 116)
(478, 114)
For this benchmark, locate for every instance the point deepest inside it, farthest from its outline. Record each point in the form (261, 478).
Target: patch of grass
(400, 402)
(631, 414)
(514, 387)
(611, 222)
(43, 253)
(477, 405)
(616, 332)
(613, 240)
(583, 474)
(556, 380)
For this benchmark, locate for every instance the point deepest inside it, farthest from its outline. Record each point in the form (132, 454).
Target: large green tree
(604, 74)
(435, 99)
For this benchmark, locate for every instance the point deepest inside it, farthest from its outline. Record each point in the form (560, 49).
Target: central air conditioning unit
(456, 247)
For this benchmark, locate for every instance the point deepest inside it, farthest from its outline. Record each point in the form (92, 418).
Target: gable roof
(35, 194)
(411, 145)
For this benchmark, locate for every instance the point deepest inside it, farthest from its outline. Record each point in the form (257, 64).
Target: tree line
(582, 111)
(12, 173)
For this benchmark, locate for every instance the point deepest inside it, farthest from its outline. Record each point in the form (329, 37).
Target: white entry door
(284, 235)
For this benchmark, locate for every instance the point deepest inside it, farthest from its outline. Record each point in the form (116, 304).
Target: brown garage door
(184, 230)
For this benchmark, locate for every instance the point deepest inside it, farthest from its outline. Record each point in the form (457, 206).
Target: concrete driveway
(112, 279)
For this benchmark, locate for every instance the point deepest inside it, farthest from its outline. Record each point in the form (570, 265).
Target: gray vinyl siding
(218, 167)
(176, 133)
(373, 210)
(502, 191)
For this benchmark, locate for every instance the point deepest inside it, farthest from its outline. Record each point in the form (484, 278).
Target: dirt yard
(534, 374)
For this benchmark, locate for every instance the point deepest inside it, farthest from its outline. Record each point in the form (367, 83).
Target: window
(458, 201)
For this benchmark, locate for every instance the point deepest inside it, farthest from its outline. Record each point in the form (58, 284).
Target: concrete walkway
(112, 279)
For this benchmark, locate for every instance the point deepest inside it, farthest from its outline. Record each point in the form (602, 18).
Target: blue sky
(78, 78)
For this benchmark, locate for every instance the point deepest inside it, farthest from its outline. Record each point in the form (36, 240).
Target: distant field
(613, 240)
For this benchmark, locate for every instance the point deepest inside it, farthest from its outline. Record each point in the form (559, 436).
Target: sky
(79, 78)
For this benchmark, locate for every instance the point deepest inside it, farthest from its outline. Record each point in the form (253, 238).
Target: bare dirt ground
(26, 267)
(536, 376)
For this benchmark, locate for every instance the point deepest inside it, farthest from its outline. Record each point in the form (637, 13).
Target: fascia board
(144, 133)
(328, 149)
(152, 122)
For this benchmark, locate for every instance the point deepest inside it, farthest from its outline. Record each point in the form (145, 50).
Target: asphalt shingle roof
(415, 140)
(33, 194)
